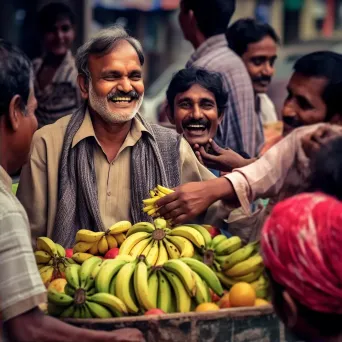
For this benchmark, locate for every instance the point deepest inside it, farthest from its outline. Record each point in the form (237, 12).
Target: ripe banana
(122, 288)
(112, 286)
(182, 297)
(245, 267)
(47, 245)
(80, 258)
(153, 288)
(60, 250)
(252, 276)
(58, 298)
(131, 241)
(172, 250)
(94, 249)
(114, 304)
(184, 246)
(164, 190)
(120, 238)
(201, 295)
(150, 201)
(46, 274)
(162, 254)
(141, 286)
(152, 256)
(206, 235)
(206, 273)
(97, 310)
(139, 247)
(72, 276)
(103, 246)
(82, 247)
(42, 257)
(183, 272)
(86, 235)
(147, 249)
(228, 246)
(189, 233)
(106, 274)
(120, 227)
(165, 295)
(141, 227)
(86, 270)
(112, 243)
(216, 240)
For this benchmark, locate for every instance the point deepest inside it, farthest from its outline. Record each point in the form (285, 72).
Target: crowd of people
(94, 158)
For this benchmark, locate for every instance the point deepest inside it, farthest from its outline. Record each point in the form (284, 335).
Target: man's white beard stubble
(101, 106)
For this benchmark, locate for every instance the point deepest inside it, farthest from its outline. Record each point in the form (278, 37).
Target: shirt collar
(86, 130)
(209, 45)
(5, 178)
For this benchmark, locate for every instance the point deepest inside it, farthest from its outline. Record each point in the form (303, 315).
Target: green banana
(60, 250)
(114, 304)
(106, 273)
(206, 235)
(153, 288)
(77, 312)
(55, 310)
(206, 273)
(201, 295)
(245, 267)
(112, 286)
(228, 246)
(68, 312)
(69, 290)
(86, 270)
(98, 311)
(58, 298)
(216, 240)
(72, 276)
(141, 286)
(165, 295)
(183, 272)
(225, 280)
(252, 276)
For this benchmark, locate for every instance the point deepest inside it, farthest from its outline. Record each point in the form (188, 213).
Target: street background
(316, 26)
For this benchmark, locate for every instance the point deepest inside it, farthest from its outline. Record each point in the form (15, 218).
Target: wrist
(219, 188)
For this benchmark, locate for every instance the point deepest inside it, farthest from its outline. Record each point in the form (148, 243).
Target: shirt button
(109, 193)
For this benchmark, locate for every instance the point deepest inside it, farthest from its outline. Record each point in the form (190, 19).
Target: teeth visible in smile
(121, 99)
(196, 126)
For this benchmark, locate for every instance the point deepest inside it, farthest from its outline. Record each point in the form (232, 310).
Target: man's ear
(15, 112)
(83, 83)
(169, 114)
(290, 310)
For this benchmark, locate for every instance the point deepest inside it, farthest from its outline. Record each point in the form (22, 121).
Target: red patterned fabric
(302, 247)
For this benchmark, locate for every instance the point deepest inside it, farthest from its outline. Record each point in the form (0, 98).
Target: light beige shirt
(38, 187)
(281, 172)
(21, 287)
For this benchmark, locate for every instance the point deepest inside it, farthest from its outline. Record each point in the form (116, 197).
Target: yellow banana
(183, 272)
(147, 249)
(46, 274)
(153, 288)
(98, 311)
(58, 298)
(164, 190)
(82, 247)
(94, 249)
(149, 208)
(122, 288)
(182, 297)
(112, 286)
(120, 227)
(80, 258)
(165, 295)
(185, 247)
(245, 267)
(141, 286)
(228, 246)
(86, 235)
(132, 240)
(151, 212)
(72, 276)
(162, 254)
(120, 238)
(226, 281)
(216, 240)
(47, 245)
(151, 201)
(160, 223)
(114, 304)
(201, 295)
(139, 247)
(152, 255)
(172, 250)
(112, 243)
(206, 235)
(141, 227)
(103, 246)
(125, 257)
(252, 276)
(189, 233)
(60, 250)
(42, 257)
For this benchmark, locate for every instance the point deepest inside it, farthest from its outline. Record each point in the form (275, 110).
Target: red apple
(214, 297)
(112, 253)
(69, 252)
(154, 312)
(212, 230)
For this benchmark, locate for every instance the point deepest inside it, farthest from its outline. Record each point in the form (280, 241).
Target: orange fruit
(58, 284)
(242, 294)
(224, 301)
(207, 307)
(260, 302)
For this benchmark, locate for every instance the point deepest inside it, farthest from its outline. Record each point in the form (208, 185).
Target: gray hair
(101, 44)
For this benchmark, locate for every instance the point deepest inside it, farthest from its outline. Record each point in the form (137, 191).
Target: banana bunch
(158, 243)
(80, 298)
(172, 287)
(262, 287)
(89, 243)
(150, 206)
(51, 260)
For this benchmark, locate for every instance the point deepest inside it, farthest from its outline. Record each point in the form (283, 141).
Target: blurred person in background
(21, 287)
(263, 10)
(204, 24)
(55, 73)
(256, 43)
(292, 13)
(301, 246)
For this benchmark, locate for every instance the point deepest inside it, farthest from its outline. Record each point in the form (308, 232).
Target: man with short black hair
(203, 24)
(256, 44)
(21, 287)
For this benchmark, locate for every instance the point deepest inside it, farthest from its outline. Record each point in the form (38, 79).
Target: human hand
(223, 160)
(128, 335)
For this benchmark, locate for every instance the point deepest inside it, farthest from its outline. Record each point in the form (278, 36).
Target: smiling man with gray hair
(94, 167)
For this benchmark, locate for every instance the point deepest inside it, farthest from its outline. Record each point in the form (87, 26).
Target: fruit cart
(227, 325)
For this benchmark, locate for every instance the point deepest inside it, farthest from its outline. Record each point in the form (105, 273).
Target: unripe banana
(98, 311)
(252, 276)
(72, 276)
(160, 223)
(245, 267)
(86, 270)
(120, 227)
(228, 246)
(60, 250)
(58, 298)
(47, 245)
(201, 295)
(114, 304)
(165, 295)
(153, 288)
(217, 239)
(226, 281)
(69, 290)
(86, 235)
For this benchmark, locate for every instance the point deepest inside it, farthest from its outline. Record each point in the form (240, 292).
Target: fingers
(199, 157)
(215, 147)
(167, 199)
(207, 156)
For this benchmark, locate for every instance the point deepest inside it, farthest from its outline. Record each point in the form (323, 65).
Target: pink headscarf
(302, 247)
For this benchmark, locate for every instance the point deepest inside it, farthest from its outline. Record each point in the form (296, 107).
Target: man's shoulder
(9, 204)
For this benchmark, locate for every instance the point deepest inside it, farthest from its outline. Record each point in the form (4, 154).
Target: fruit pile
(150, 206)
